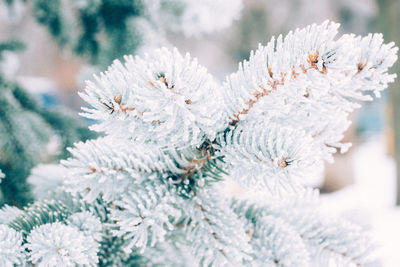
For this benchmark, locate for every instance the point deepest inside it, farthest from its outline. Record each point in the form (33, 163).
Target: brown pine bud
(163, 80)
(313, 58)
(360, 66)
(117, 98)
(270, 72)
(284, 163)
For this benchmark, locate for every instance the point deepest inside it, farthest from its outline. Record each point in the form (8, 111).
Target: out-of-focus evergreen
(26, 128)
(388, 22)
(98, 30)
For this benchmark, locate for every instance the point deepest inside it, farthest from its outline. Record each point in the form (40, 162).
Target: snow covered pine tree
(153, 191)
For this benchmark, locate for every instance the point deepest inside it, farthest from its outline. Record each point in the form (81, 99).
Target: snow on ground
(370, 200)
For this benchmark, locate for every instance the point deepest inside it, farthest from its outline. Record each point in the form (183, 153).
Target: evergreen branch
(39, 213)
(144, 99)
(11, 45)
(143, 215)
(273, 83)
(152, 183)
(217, 236)
(310, 81)
(324, 238)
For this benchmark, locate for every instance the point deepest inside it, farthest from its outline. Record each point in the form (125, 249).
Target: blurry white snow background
(370, 201)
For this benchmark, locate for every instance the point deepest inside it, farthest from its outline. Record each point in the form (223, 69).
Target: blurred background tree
(29, 134)
(98, 30)
(388, 22)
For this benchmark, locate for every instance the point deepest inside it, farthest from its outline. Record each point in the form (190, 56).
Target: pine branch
(306, 77)
(217, 236)
(154, 182)
(324, 238)
(144, 215)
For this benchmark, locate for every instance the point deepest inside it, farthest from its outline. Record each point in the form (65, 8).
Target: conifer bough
(153, 191)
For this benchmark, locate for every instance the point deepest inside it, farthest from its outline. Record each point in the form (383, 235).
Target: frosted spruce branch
(157, 182)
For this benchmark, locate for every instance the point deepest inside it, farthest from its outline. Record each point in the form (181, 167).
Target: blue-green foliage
(100, 30)
(25, 129)
(210, 173)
